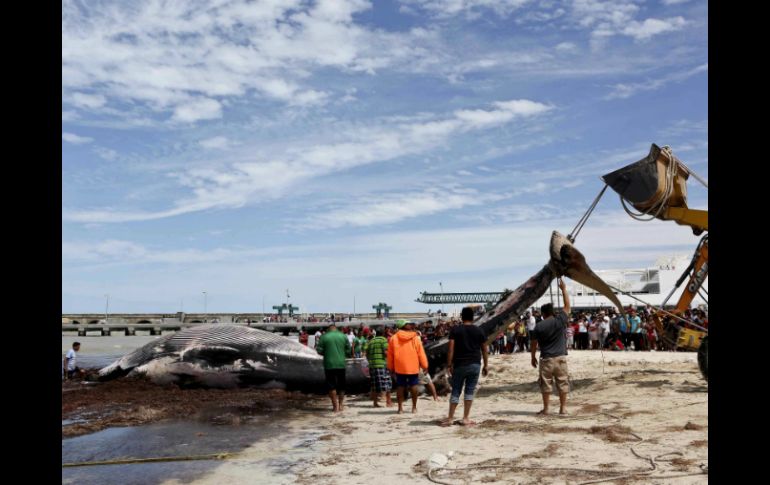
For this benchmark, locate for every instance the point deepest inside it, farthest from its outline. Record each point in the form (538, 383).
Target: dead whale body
(565, 260)
(233, 356)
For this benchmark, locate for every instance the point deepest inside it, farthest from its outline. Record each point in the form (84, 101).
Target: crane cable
(579, 226)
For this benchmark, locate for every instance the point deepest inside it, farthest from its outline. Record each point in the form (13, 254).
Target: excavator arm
(697, 219)
(686, 336)
(656, 187)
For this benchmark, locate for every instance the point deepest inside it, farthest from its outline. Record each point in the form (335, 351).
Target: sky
(354, 152)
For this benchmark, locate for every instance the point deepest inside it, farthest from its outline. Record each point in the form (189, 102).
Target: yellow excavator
(655, 186)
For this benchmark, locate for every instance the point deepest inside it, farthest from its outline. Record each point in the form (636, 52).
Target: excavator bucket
(644, 182)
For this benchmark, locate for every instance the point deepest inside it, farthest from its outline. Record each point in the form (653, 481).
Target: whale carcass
(234, 355)
(226, 356)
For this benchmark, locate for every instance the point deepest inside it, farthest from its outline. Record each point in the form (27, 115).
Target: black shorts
(335, 379)
(71, 373)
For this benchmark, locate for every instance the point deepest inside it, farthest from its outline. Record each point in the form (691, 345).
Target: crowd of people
(396, 356)
(586, 330)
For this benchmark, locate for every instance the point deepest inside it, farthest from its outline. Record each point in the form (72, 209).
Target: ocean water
(188, 438)
(97, 352)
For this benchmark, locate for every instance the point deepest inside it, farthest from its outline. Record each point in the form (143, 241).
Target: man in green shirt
(376, 350)
(335, 347)
(360, 342)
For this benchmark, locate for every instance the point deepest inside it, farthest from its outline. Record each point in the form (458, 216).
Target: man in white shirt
(351, 338)
(70, 363)
(531, 322)
(605, 328)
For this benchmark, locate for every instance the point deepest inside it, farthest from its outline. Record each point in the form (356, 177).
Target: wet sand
(88, 407)
(622, 404)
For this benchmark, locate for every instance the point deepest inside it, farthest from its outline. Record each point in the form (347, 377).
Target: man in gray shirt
(550, 335)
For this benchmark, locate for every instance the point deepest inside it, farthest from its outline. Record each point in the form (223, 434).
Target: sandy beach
(625, 408)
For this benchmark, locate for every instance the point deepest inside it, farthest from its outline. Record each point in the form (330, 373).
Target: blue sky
(356, 149)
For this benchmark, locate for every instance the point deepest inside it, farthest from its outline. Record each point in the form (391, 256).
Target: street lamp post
(106, 308)
(441, 311)
(205, 308)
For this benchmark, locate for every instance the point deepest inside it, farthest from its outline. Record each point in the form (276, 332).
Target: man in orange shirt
(406, 357)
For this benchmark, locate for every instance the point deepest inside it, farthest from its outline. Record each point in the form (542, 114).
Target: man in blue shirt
(635, 322)
(624, 330)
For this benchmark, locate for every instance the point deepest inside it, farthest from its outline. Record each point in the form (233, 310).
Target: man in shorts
(467, 348)
(335, 347)
(406, 356)
(427, 380)
(549, 335)
(376, 350)
(70, 363)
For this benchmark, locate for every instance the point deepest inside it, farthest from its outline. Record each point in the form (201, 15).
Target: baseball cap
(401, 323)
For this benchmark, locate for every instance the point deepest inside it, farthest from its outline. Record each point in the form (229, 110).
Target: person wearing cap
(467, 346)
(376, 351)
(335, 347)
(406, 356)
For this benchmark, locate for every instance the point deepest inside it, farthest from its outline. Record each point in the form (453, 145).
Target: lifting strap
(573, 235)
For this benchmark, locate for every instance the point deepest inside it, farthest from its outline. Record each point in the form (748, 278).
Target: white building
(651, 285)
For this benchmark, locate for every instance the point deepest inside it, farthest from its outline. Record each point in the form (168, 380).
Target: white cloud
(130, 253)
(198, 109)
(93, 101)
(566, 47)
(514, 213)
(626, 90)
(607, 19)
(522, 107)
(397, 207)
(601, 14)
(75, 139)
(507, 110)
(215, 142)
(607, 240)
(650, 27)
(179, 57)
(106, 153)
(680, 127)
(674, 2)
(105, 250)
(68, 115)
(246, 182)
(448, 8)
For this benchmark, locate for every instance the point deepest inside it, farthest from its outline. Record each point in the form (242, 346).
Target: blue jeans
(467, 375)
